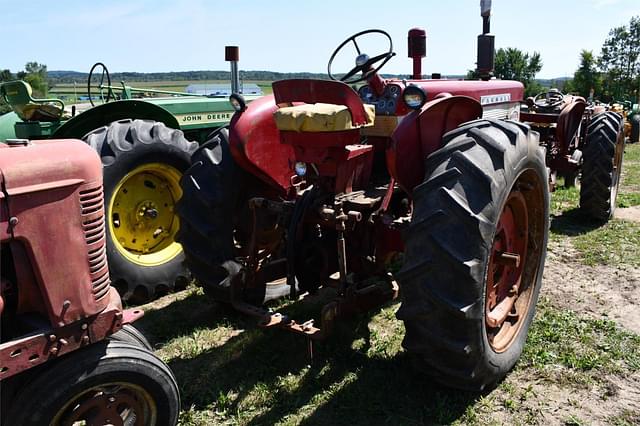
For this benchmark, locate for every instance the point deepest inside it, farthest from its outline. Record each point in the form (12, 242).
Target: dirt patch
(528, 399)
(628, 213)
(605, 292)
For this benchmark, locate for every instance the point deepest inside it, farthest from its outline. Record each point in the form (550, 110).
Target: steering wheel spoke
(355, 43)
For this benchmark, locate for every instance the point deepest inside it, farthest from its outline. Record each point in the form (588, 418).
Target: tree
(568, 86)
(513, 64)
(36, 75)
(620, 60)
(587, 78)
(5, 75)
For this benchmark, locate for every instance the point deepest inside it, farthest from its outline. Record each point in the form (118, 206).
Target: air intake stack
(417, 50)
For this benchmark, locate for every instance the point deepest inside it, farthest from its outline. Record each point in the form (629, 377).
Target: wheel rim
(109, 404)
(513, 262)
(141, 214)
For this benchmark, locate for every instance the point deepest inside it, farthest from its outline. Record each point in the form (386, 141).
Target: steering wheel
(100, 86)
(548, 100)
(364, 63)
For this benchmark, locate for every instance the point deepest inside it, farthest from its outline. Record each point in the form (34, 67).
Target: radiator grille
(93, 224)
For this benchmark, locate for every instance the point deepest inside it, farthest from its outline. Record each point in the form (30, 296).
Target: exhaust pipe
(232, 55)
(486, 41)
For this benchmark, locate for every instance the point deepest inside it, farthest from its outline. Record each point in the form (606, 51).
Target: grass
(617, 241)
(231, 372)
(564, 339)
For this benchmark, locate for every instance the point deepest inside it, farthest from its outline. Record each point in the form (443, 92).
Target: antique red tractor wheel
(214, 214)
(602, 166)
(114, 383)
(475, 252)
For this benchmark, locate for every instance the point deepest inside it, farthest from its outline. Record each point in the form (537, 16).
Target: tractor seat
(18, 95)
(319, 117)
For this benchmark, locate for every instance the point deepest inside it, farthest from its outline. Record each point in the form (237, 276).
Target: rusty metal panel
(45, 182)
(31, 350)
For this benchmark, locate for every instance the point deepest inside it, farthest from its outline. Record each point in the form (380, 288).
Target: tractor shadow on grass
(574, 222)
(260, 377)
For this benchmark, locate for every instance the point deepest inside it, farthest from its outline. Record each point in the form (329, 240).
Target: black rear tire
(602, 166)
(67, 389)
(452, 240)
(125, 145)
(213, 201)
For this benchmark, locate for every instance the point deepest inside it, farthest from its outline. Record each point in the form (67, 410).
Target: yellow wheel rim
(141, 214)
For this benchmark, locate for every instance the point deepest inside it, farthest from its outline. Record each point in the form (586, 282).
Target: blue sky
(278, 35)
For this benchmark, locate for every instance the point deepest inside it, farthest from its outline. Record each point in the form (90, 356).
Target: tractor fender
(105, 114)
(255, 144)
(420, 134)
(569, 123)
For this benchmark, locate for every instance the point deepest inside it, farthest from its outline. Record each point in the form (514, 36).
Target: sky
(293, 36)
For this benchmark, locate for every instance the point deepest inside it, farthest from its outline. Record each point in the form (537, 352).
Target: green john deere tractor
(145, 145)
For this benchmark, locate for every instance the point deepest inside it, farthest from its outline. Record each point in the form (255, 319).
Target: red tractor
(324, 186)
(581, 141)
(68, 351)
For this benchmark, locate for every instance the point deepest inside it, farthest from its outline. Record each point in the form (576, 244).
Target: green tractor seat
(18, 95)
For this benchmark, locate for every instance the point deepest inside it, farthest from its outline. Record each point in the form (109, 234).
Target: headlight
(414, 97)
(237, 102)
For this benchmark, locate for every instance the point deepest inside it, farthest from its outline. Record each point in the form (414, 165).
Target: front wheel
(143, 162)
(475, 253)
(107, 383)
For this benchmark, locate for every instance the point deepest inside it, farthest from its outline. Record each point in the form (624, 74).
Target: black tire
(634, 119)
(126, 370)
(212, 201)
(125, 145)
(449, 245)
(602, 166)
(129, 334)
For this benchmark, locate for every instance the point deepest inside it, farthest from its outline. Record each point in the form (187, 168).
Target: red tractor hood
(51, 209)
(485, 92)
(46, 164)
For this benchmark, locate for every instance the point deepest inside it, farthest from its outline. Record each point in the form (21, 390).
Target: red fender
(569, 123)
(255, 144)
(420, 133)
